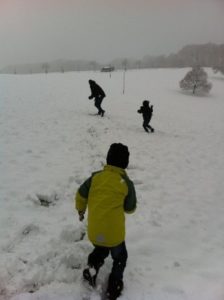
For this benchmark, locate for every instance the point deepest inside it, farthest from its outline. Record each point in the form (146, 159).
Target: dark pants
(146, 125)
(119, 255)
(98, 101)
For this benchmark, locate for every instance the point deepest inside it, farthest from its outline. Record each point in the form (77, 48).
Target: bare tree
(46, 67)
(196, 81)
(139, 64)
(125, 64)
(93, 65)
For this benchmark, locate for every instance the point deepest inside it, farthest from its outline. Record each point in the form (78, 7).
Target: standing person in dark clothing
(146, 110)
(97, 93)
(107, 195)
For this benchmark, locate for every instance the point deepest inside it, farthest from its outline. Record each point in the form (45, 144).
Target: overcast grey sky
(45, 30)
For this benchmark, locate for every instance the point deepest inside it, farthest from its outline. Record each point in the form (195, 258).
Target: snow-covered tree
(219, 69)
(196, 81)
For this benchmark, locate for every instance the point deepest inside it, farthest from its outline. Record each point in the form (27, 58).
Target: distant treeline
(206, 55)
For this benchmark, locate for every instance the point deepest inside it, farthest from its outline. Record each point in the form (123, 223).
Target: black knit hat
(118, 155)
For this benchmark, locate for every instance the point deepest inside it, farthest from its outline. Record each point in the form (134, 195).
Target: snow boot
(114, 289)
(89, 274)
(102, 113)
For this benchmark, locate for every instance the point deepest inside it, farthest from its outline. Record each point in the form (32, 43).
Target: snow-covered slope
(51, 140)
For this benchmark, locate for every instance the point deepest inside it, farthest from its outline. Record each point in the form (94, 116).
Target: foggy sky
(101, 30)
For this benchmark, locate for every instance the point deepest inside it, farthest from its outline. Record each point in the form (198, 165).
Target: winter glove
(81, 215)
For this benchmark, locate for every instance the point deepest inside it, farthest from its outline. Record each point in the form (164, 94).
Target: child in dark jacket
(98, 94)
(108, 194)
(146, 110)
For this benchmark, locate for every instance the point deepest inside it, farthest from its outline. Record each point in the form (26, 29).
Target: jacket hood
(145, 103)
(91, 82)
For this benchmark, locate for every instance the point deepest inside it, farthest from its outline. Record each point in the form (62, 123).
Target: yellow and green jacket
(108, 194)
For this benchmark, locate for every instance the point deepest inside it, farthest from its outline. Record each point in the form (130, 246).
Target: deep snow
(51, 140)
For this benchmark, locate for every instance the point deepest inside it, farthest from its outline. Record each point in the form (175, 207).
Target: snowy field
(51, 140)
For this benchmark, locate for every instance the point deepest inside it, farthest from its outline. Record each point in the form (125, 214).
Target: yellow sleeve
(80, 202)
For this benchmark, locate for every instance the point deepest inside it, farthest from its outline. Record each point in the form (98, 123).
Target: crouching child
(108, 194)
(146, 110)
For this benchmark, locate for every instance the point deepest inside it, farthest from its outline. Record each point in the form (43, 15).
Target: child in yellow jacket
(108, 194)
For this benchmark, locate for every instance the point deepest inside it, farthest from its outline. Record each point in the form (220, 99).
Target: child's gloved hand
(81, 215)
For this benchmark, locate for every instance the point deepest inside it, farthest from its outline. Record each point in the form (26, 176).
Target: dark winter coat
(96, 90)
(146, 111)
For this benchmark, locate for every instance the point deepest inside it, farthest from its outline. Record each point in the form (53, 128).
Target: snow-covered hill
(51, 140)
